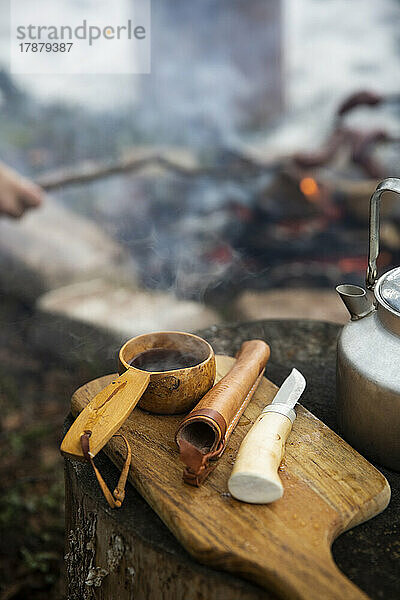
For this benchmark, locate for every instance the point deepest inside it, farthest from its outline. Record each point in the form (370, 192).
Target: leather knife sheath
(204, 432)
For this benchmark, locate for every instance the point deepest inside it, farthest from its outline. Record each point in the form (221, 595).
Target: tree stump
(129, 553)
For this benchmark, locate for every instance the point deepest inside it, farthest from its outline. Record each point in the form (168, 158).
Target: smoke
(182, 233)
(216, 70)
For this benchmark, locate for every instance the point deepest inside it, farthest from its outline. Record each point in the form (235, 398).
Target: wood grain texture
(283, 546)
(128, 567)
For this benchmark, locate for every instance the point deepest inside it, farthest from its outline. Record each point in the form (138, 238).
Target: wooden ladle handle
(105, 413)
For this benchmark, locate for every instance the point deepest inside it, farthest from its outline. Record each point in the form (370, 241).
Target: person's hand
(17, 194)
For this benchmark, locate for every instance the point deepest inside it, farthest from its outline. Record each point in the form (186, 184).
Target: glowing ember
(310, 188)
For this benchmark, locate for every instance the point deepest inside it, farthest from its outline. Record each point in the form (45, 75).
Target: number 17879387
(45, 47)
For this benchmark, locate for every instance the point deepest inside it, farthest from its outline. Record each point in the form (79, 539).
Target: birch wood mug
(162, 391)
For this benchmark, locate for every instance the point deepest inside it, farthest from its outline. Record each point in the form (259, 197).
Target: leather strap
(198, 465)
(115, 499)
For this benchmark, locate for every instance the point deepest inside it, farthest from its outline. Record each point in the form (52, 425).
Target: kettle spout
(355, 300)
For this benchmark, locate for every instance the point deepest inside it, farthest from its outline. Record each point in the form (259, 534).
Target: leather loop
(85, 444)
(115, 499)
(200, 465)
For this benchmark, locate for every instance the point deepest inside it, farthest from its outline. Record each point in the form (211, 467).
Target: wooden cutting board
(283, 546)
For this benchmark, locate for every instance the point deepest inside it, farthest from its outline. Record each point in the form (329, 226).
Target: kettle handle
(392, 184)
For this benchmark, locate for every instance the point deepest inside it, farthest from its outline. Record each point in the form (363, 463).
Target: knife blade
(255, 478)
(288, 395)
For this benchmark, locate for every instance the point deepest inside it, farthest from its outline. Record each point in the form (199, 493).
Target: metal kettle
(368, 355)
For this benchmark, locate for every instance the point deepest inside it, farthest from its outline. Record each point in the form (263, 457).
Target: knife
(255, 476)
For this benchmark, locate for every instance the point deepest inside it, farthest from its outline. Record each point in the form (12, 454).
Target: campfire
(252, 223)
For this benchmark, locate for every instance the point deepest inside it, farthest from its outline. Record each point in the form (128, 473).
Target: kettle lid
(387, 290)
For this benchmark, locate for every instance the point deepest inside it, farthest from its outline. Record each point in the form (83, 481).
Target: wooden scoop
(104, 415)
(166, 392)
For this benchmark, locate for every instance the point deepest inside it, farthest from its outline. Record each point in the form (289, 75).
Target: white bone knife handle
(255, 476)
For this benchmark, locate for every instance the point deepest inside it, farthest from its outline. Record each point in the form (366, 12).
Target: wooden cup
(163, 392)
(171, 392)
